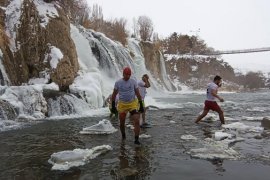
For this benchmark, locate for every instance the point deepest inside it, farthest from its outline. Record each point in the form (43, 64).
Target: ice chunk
(188, 137)
(103, 127)
(172, 122)
(242, 127)
(66, 159)
(214, 150)
(145, 136)
(221, 135)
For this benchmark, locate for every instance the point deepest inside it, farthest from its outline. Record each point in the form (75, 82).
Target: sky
(223, 24)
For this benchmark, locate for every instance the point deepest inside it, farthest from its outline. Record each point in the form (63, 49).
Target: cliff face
(28, 53)
(152, 58)
(197, 71)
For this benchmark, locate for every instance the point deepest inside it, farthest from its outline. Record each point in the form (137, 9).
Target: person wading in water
(127, 88)
(210, 103)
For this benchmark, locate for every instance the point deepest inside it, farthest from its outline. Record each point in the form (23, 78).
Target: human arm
(146, 80)
(137, 92)
(214, 93)
(115, 92)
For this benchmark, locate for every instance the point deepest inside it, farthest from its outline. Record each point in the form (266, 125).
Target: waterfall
(4, 80)
(139, 63)
(67, 104)
(169, 85)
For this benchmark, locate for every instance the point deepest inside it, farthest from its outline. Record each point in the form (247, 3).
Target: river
(167, 154)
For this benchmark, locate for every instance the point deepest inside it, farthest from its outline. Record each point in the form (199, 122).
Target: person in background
(143, 84)
(127, 88)
(210, 103)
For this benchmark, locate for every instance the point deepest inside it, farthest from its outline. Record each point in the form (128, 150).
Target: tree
(145, 28)
(254, 80)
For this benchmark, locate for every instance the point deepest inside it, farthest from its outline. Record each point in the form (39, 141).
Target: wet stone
(266, 123)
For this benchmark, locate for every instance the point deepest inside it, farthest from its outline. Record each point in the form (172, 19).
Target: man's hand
(114, 110)
(221, 99)
(141, 109)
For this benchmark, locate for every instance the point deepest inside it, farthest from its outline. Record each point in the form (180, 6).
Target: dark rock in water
(7, 111)
(266, 123)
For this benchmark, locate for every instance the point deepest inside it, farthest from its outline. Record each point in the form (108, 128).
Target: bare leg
(221, 116)
(122, 118)
(143, 115)
(205, 112)
(136, 121)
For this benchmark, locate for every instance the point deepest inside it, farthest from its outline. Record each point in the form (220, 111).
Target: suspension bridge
(255, 50)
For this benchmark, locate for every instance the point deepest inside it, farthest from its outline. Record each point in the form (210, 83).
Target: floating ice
(221, 135)
(130, 126)
(172, 122)
(145, 136)
(242, 127)
(214, 150)
(103, 127)
(66, 159)
(188, 137)
(251, 118)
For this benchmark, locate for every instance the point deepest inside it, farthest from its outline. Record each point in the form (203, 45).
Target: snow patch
(45, 11)
(54, 57)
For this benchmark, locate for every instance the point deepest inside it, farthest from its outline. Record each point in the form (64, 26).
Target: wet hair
(217, 78)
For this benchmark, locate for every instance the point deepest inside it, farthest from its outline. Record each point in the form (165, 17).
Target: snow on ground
(170, 57)
(12, 21)
(45, 11)
(54, 57)
(64, 160)
(103, 127)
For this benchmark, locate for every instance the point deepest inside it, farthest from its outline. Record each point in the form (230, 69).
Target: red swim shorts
(211, 105)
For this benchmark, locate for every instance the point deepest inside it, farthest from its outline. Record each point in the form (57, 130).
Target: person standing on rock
(143, 84)
(210, 103)
(127, 88)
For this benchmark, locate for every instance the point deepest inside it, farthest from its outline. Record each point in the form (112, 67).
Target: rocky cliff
(31, 37)
(196, 71)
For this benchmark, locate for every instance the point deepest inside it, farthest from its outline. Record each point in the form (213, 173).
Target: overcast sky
(223, 24)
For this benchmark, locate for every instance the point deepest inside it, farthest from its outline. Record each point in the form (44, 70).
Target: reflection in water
(133, 163)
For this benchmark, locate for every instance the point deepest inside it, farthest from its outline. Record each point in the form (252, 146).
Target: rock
(266, 123)
(7, 111)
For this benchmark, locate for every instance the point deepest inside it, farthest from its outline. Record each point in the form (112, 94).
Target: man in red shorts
(210, 103)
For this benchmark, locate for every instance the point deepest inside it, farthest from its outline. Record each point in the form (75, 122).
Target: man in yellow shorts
(127, 88)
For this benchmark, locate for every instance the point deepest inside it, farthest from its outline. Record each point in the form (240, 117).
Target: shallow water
(24, 153)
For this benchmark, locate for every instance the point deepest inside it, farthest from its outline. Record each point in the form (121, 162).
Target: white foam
(103, 127)
(64, 160)
(242, 127)
(188, 137)
(6, 125)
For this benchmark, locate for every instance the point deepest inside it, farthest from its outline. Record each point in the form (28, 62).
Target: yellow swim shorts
(124, 107)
